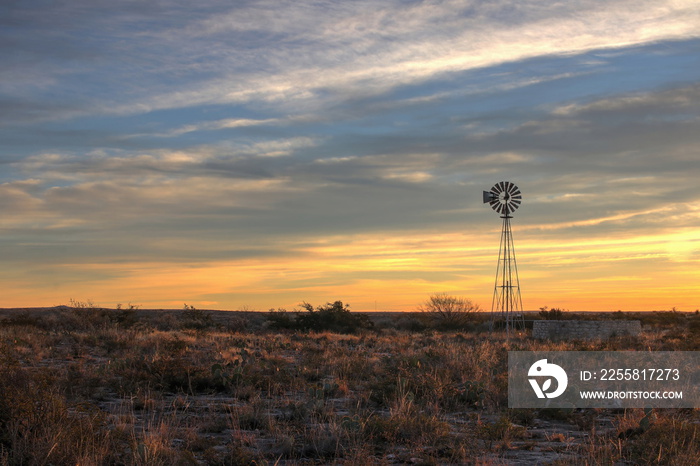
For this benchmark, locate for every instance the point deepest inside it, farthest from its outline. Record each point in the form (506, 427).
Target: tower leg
(506, 304)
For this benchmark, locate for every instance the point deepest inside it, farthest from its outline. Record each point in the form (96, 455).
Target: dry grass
(90, 386)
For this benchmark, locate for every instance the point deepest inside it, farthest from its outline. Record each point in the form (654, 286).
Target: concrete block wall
(584, 329)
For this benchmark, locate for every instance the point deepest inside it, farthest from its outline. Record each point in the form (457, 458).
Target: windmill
(507, 304)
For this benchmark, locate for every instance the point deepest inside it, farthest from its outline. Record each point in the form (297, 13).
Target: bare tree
(450, 311)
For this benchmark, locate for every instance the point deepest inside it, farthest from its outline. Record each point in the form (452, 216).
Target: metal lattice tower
(507, 304)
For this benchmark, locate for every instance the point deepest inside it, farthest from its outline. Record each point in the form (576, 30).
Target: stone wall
(584, 329)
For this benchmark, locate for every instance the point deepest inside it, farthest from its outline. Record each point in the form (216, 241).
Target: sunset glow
(256, 155)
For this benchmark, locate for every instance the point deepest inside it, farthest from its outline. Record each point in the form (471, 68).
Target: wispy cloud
(311, 53)
(675, 101)
(227, 123)
(270, 150)
(351, 50)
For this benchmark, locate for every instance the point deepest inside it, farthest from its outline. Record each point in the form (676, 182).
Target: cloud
(678, 100)
(351, 51)
(363, 182)
(239, 159)
(16, 111)
(19, 197)
(227, 123)
(302, 55)
(302, 147)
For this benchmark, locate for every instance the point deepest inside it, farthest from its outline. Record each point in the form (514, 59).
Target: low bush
(668, 441)
(447, 312)
(21, 320)
(39, 426)
(552, 314)
(331, 317)
(195, 319)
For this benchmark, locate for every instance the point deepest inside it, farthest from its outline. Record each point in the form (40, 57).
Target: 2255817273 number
(640, 374)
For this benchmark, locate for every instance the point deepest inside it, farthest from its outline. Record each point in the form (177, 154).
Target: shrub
(668, 441)
(125, 316)
(450, 312)
(407, 428)
(280, 320)
(195, 319)
(551, 314)
(38, 426)
(333, 317)
(23, 319)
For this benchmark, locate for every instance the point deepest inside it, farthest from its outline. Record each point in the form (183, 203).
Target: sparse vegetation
(197, 319)
(447, 312)
(87, 385)
(551, 314)
(332, 317)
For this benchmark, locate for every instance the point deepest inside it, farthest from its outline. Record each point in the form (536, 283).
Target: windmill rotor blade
(505, 197)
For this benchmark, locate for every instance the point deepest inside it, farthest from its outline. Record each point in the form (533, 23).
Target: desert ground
(85, 385)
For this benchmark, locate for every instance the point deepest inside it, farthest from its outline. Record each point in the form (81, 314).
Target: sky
(260, 154)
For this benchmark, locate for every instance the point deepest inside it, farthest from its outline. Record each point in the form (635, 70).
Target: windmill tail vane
(506, 306)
